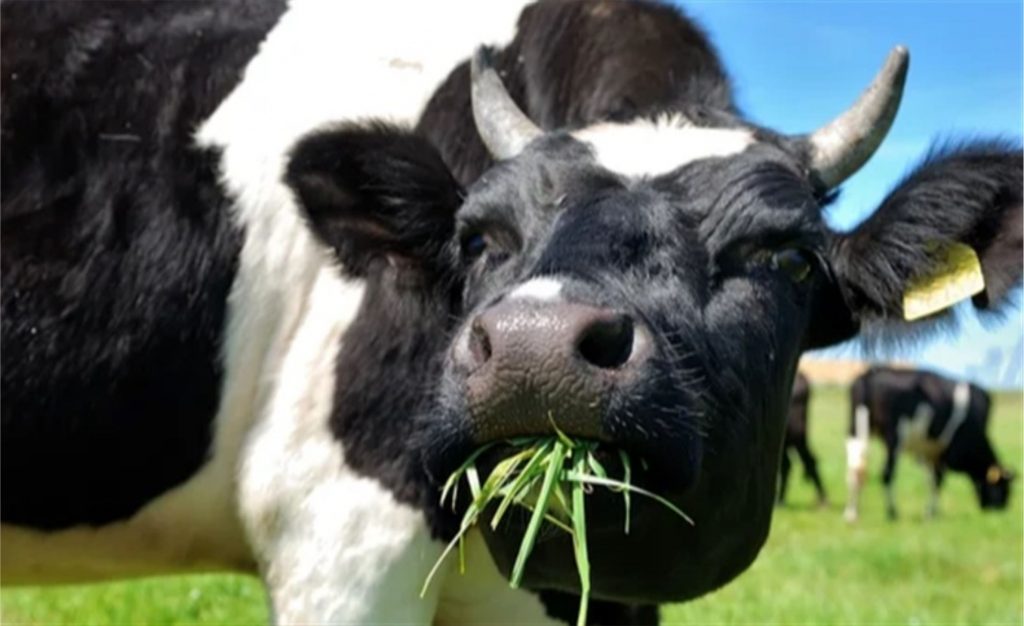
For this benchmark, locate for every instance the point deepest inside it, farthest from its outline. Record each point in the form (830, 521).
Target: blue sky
(797, 64)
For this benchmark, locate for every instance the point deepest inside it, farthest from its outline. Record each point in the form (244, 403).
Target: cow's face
(994, 489)
(652, 295)
(650, 286)
(659, 315)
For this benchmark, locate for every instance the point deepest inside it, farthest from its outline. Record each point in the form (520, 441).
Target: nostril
(607, 343)
(479, 343)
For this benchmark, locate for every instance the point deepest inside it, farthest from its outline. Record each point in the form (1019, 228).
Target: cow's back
(118, 249)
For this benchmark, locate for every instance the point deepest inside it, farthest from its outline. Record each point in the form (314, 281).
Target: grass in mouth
(537, 478)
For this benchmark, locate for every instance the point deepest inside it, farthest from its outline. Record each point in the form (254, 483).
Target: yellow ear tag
(993, 475)
(956, 276)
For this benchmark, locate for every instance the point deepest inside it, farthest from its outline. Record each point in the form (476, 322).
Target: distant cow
(796, 440)
(271, 272)
(940, 421)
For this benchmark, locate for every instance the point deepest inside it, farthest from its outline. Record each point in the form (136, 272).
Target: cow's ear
(921, 250)
(375, 191)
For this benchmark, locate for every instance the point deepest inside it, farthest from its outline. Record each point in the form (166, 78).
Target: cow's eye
(794, 262)
(473, 245)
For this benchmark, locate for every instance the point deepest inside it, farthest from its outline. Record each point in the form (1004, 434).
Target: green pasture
(963, 568)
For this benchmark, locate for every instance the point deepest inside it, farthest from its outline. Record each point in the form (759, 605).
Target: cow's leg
(784, 470)
(888, 477)
(811, 468)
(856, 462)
(937, 474)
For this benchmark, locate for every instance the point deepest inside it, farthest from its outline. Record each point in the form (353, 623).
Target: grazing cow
(223, 349)
(795, 439)
(940, 421)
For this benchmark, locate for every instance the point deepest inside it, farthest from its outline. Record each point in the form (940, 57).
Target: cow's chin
(663, 557)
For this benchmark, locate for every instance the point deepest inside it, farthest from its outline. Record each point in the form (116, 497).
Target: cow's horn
(842, 146)
(505, 129)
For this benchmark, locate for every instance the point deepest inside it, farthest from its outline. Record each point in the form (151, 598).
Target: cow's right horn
(504, 129)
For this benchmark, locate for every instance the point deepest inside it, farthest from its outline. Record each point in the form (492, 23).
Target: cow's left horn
(842, 146)
(504, 129)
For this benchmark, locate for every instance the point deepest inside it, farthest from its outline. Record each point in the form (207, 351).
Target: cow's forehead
(715, 175)
(647, 147)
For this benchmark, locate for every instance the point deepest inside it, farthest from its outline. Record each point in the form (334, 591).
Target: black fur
(117, 251)
(374, 191)
(564, 606)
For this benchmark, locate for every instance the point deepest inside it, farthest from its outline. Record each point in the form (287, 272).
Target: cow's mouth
(600, 493)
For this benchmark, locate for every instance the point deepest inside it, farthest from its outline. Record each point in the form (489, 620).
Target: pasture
(963, 568)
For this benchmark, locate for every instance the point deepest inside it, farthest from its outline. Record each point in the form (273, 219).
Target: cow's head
(651, 285)
(994, 490)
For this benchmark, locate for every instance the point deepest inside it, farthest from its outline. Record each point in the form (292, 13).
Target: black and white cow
(795, 441)
(942, 422)
(223, 349)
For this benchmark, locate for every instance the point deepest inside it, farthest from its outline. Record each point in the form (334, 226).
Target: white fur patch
(544, 289)
(650, 148)
(856, 461)
(961, 404)
(334, 546)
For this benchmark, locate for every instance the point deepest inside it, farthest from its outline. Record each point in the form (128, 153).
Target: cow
(940, 421)
(354, 250)
(795, 440)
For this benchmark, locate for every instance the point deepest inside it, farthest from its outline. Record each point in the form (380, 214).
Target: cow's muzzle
(530, 366)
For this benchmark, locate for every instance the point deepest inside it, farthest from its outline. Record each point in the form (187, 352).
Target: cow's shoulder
(118, 248)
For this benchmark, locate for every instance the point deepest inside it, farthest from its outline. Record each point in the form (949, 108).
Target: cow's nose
(530, 365)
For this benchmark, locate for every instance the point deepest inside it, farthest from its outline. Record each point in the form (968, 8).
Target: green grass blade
(555, 460)
(608, 482)
(627, 478)
(568, 443)
(519, 486)
(453, 480)
(595, 466)
(562, 501)
(467, 522)
(437, 564)
(502, 473)
(579, 537)
(473, 478)
(557, 523)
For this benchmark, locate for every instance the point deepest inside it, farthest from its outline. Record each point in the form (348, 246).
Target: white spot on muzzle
(543, 289)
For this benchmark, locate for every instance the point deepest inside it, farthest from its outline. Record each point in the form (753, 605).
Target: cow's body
(939, 421)
(795, 440)
(234, 341)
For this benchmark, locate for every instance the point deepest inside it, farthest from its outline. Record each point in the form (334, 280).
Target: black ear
(960, 195)
(374, 191)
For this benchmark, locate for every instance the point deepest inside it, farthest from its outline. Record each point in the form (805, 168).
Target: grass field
(963, 568)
